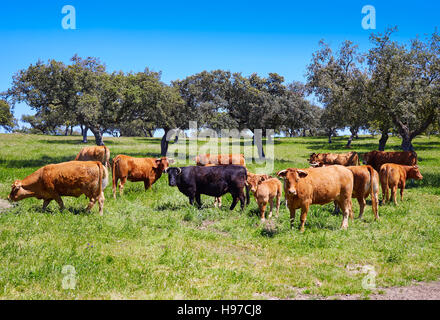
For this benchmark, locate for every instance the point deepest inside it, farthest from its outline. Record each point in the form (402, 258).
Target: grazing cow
(393, 176)
(377, 158)
(213, 181)
(265, 189)
(72, 178)
(148, 170)
(95, 153)
(365, 183)
(220, 159)
(318, 186)
(343, 159)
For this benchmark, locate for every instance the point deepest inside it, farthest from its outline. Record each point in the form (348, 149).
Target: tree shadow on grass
(30, 163)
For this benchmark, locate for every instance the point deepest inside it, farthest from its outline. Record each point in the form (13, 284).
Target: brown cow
(148, 170)
(343, 159)
(318, 186)
(72, 178)
(393, 176)
(265, 189)
(377, 158)
(95, 153)
(220, 159)
(365, 183)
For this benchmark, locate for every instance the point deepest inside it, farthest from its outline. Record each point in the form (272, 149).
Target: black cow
(213, 181)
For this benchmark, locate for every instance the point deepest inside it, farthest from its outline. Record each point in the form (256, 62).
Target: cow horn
(180, 170)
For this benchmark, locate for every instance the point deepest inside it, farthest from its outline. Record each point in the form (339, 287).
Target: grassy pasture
(153, 245)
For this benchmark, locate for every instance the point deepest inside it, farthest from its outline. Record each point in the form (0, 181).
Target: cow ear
(302, 174)
(416, 167)
(282, 174)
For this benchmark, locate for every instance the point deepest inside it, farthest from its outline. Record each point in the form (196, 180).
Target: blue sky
(181, 38)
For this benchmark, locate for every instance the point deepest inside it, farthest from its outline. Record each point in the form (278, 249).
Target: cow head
(163, 163)
(414, 173)
(291, 177)
(173, 173)
(17, 191)
(253, 180)
(313, 158)
(367, 157)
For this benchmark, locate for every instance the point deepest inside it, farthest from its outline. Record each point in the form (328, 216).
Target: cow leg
(234, 201)
(292, 215)
(60, 202)
(218, 202)
(304, 210)
(387, 194)
(91, 204)
(401, 190)
(146, 184)
(198, 200)
(336, 210)
(101, 199)
(46, 203)
(394, 194)
(121, 185)
(271, 207)
(346, 212)
(278, 204)
(115, 186)
(362, 203)
(242, 198)
(262, 207)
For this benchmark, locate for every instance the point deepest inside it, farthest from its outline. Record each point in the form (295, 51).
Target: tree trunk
(98, 136)
(407, 143)
(66, 132)
(304, 133)
(84, 130)
(330, 134)
(348, 145)
(258, 140)
(164, 143)
(354, 134)
(383, 140)
(71, 130)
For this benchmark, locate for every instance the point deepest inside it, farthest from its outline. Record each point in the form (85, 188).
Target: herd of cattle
(331, 178)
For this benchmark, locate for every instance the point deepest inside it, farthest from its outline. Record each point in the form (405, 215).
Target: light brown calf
(72, 178)
(305, 187)
(265, 189)
(393, 176)
(95, 153)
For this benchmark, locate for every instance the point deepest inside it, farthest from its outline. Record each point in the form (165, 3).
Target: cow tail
(358, 161)
(107, 156)
(246, 185)
(100, 175)
(115, 162)
(373, 198)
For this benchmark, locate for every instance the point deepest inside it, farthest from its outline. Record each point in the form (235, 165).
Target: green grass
(153, 245)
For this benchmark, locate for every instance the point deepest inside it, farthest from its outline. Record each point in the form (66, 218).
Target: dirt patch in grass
(4, 205)
(417, 291)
